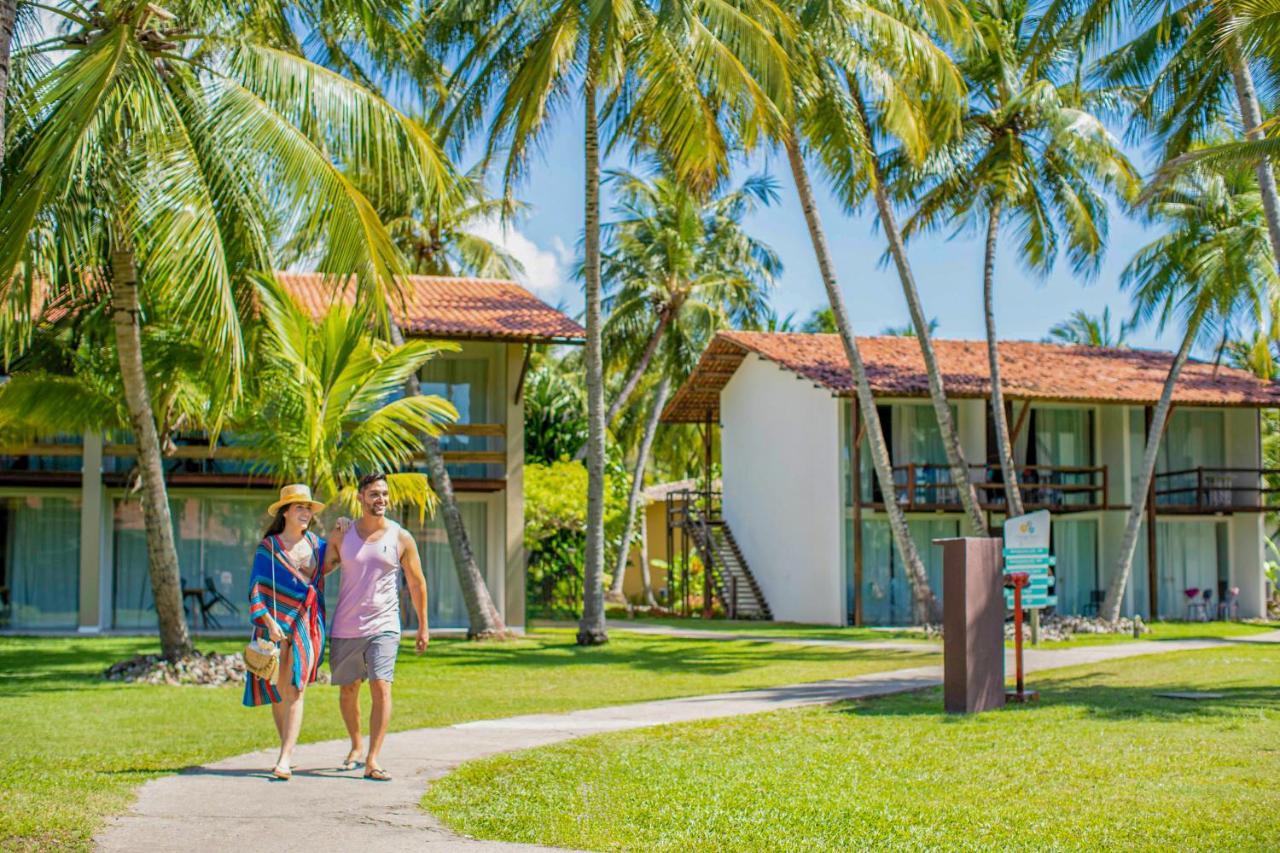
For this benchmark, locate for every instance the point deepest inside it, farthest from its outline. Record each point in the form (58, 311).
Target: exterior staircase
(731, 579)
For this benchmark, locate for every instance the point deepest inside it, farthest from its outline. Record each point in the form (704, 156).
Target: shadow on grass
(1099, 701)
(37, 665)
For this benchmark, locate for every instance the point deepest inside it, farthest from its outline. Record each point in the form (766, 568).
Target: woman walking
(286, 605)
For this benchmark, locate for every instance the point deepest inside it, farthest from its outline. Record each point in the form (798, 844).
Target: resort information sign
(1026, 551)
(1027, 580)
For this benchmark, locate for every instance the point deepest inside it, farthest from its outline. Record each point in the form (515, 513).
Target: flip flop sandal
(351, 762)
(377, 774)
(282, 775)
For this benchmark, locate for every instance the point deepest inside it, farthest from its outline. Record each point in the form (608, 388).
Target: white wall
(780, 458)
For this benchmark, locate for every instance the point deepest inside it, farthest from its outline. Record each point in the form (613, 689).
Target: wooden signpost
(1028, 582)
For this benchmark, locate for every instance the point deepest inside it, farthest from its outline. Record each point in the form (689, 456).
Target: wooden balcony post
(911, 484)
(1153, 598)
(1201, 497)
(855, 476)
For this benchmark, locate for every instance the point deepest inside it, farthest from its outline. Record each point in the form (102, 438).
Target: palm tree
(821, 322)
(655, 66)
(154, 159)
(908, 330)
(683, 267)
(1031, 155)
(1213, 265)
(839, 41)
(1089, 330)
(1192, 64)
(675, 255)
(323, 404)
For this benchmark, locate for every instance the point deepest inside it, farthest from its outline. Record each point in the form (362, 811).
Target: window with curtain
(886, 589)
(39, 562)
(445, 605)
(1056, 437)
(1076, 577)
(215, 538)
(465, 383)
(917, 438)
(1188, 556)
(1192, 439)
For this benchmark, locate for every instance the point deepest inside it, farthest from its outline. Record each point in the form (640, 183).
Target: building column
(92, 603)
(513, 593)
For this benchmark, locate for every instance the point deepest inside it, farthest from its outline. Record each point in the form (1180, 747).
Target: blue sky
(948, 271)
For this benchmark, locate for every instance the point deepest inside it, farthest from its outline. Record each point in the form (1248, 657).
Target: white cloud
(546, 271)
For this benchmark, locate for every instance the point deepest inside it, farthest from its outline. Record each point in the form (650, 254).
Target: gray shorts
(354, 659)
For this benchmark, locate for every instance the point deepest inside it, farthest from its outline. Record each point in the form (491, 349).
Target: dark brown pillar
(972, 625)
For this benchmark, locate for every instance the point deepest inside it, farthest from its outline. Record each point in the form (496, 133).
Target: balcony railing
(1213, 490)
(924, 487)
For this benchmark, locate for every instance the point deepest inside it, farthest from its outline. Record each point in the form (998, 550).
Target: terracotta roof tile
(443, 307)
(1030, 371)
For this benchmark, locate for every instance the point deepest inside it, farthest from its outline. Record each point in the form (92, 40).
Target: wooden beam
(1019, 423)
(524, 369)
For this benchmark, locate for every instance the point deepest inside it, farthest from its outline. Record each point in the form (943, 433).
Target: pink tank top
(369, 595)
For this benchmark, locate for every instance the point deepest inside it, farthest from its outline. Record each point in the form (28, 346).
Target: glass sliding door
(886, 589)
(917, 440)
(445, 605)
(464, 382)
(39, 562)
(1188, 555)
(1075, 546)
(1193, 439)
(215, 537)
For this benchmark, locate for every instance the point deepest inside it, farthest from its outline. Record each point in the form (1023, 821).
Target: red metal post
(1018, 580)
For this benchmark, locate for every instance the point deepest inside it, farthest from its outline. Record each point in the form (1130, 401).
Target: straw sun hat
(297, 493)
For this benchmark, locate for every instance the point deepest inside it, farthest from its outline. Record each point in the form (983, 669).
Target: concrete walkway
(233, 803)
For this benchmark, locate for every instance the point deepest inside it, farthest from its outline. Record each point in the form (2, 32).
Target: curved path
(233, 803)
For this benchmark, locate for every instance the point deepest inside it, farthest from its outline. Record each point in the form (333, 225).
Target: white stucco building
(820, 548)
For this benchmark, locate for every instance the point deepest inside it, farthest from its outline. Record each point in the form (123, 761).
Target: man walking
(365, 632)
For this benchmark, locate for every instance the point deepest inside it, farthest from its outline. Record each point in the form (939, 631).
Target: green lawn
(74, 746)
(1100, 762)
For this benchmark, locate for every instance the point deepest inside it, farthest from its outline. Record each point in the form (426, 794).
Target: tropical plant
(155, 158)
(1190, 65)
(555, 418)
(441, 234)
(663, 71)
(1090, 330)
(680, 265)
(821, 321)
(1032, 155)
(325, 403)
(907, 330)
(1212, 269)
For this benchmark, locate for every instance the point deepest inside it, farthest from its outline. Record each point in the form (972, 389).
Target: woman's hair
(277, 524)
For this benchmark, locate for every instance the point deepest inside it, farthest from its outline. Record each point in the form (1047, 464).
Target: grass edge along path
(1110, 764)
(76, 747)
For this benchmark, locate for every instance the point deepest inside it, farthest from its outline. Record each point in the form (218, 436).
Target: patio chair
(1195, 606)
(211, 599)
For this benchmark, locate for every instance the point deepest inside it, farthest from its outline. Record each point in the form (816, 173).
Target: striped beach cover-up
(299, 608)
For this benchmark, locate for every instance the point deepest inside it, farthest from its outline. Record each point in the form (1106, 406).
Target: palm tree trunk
(1138, 501)
(645, 580)
(1251, 118)
(8, 19)
(162, 555)
(924, 603)
(637, 371)
(484, 622)
(637, 485)
(937, 392)
(591, 630)
(1013, 495)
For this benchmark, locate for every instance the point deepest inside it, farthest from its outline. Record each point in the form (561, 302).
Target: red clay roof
(1029, 371)
(442, 307)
